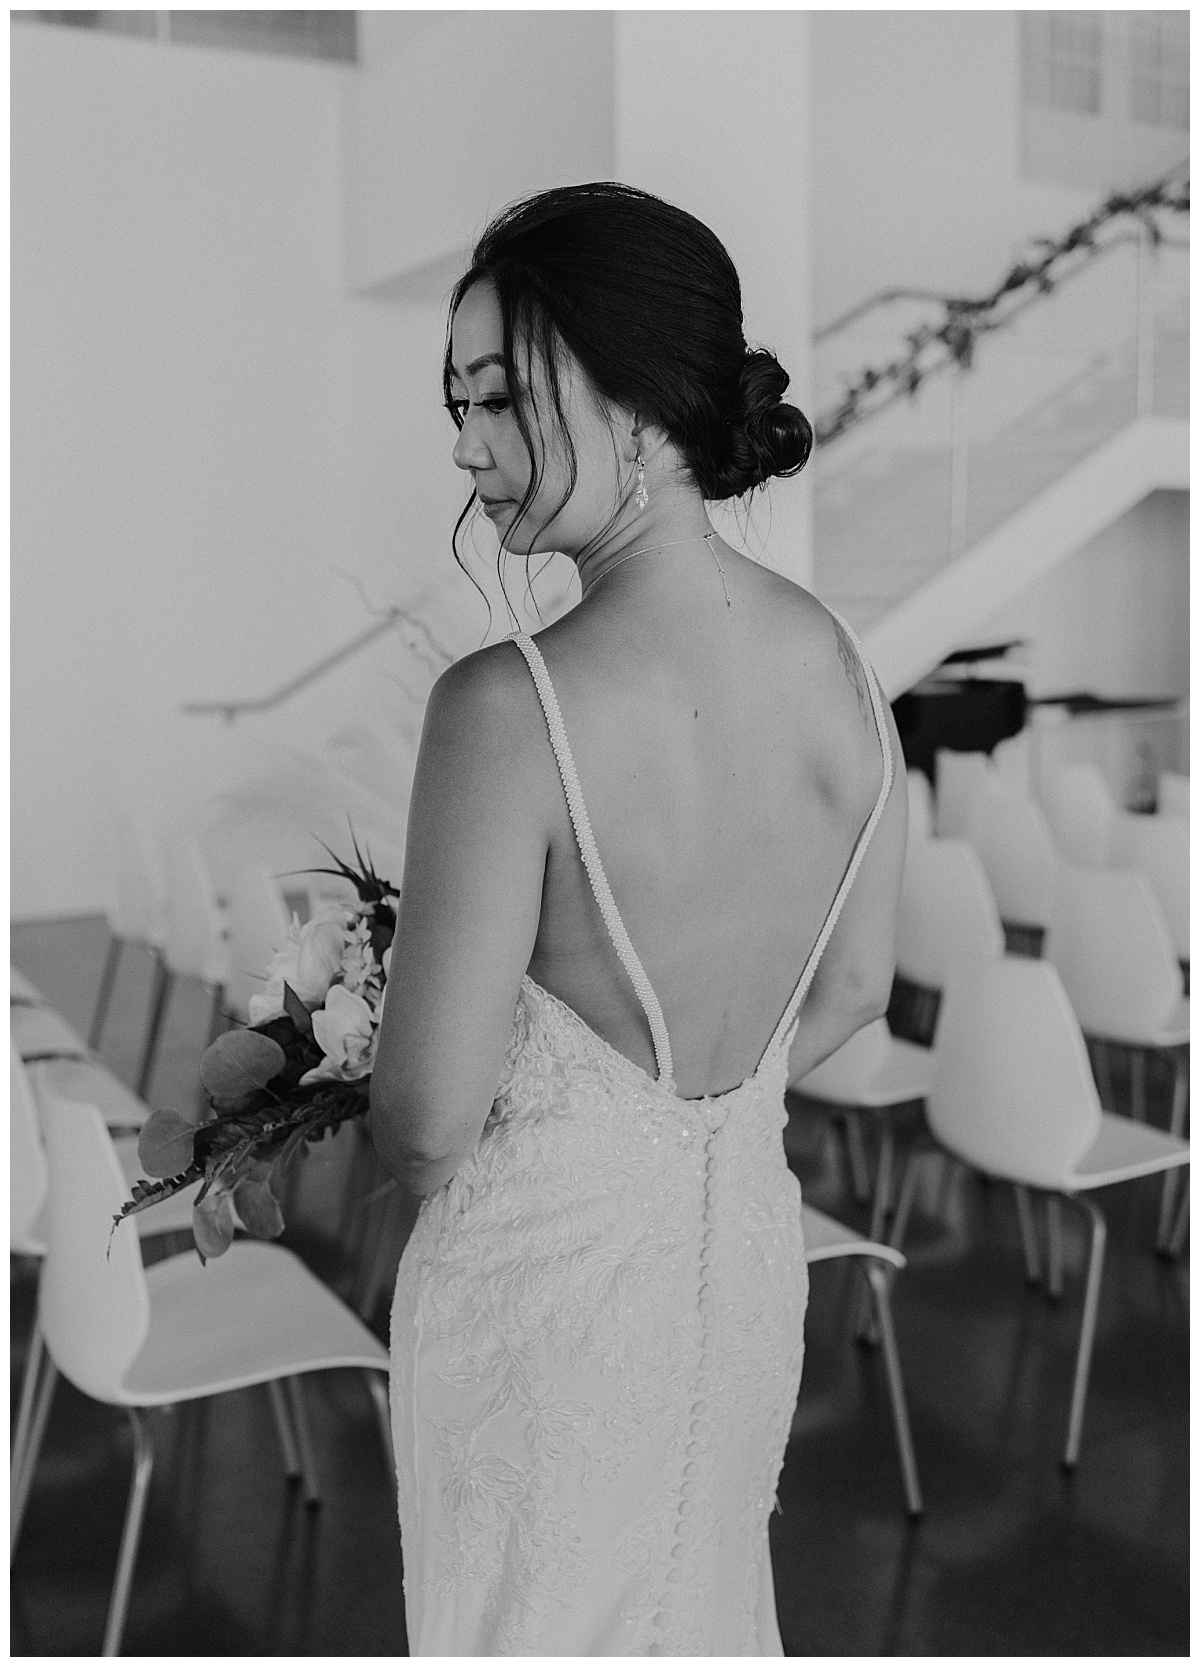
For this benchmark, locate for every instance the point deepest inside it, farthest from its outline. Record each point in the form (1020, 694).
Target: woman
(598, 1326)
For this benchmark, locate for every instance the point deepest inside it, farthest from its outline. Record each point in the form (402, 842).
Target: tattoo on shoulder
(854, 673)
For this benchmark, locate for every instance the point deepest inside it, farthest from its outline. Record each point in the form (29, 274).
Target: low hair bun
(766, 436)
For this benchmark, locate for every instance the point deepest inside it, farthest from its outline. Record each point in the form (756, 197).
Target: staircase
(932, 514)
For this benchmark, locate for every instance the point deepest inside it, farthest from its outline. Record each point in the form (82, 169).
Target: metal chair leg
(104, 995)
(283, 1425)
(1054, 1247)
(1087, 1330)
(860, 1179)
(143, 1466)
(23, 1479)
(308, 1463)
(879, 1283)
(1179, 1109)
(29, 1384)
(1137, 1085)
(906, 1196)
(1029, 1238)
(883, 1181)
(1179, 1233)
(377, 1383)
(164, 979)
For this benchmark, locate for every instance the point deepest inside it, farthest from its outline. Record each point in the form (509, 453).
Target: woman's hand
(478, 832)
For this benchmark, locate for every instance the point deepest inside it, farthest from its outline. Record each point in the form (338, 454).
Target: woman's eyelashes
(495, 406)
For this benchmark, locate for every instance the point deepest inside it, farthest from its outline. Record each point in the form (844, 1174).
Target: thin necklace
(705, 538)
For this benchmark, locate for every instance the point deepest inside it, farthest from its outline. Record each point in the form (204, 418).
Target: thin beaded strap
(864, 839)
(591, 859)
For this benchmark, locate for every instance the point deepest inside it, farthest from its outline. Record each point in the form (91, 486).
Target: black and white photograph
(600, 832)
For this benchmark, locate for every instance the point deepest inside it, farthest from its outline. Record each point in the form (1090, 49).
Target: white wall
(205, 431)
(712, 113)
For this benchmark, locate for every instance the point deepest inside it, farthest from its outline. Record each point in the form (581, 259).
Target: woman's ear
(645, 437)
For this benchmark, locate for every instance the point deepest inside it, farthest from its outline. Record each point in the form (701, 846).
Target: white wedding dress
(597, 1339)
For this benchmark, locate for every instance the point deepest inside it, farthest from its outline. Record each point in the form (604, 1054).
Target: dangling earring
(643, 497)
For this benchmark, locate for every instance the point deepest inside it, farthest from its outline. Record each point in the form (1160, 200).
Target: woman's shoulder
(486, 702)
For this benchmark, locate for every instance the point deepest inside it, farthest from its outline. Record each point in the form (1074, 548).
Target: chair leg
(104, 995)
(1029, 1238)
(22, 1480)
(860, 1179)
(29, 1384)
(883, 1181)
(1087, 1331)
(377, 1383)
(906, 1196)
(1137, 1085)
(1054, 1247)
(164, 979)
(143, 1466)
(1179, 1108)
(283, 1425)
(1179, 1233)
(879, 1283)
(308, 1463)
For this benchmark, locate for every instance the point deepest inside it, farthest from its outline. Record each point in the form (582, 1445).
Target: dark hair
(647, 300)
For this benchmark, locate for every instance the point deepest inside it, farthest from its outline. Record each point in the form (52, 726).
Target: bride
(652, 868)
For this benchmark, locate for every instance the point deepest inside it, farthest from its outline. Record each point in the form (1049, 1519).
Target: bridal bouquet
(298, 1071)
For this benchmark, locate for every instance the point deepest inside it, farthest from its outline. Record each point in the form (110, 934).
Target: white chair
(961, 786)
(29, 1180)
(1080, 810)
(194, 944)
(920, 806)
(1158, 847)
(1174, 794)
(140, 1338)
(827, 1240)
(1012, 763)
(22, 992)
(1013, 1096)
(1110, 944)
(1019, 858)
(134, 905)
(946, 911)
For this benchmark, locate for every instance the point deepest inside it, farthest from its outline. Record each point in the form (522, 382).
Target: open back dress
(598, 1333)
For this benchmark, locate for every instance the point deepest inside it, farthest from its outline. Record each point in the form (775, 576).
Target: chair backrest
(1158, 847)
(1174, 794)
(1012, 1090)
(920, 805)
(136, 906)
(93, 1302)
(850, 1068)
(1019, 858)
(1012, 763)
(1110, 944)
(1080, 810)
(946, 911)
(962, 780)
(28, 1176)
(259, 923)
(195, 946)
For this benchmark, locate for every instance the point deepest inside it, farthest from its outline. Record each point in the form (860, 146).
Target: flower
(345, 1032)
(309, 962)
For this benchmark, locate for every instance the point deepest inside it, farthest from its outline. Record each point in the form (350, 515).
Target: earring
(643, 497)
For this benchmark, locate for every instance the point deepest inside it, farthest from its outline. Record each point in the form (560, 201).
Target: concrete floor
(1012, 1557)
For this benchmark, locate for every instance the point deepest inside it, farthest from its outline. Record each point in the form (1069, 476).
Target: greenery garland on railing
(966, 318)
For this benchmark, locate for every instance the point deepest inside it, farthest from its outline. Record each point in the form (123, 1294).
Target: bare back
(729, 760)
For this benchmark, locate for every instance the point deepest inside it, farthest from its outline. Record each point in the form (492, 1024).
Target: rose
(308, 962)
(345, 1032)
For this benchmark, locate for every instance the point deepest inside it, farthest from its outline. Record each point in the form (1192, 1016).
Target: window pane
(1061, 54)
(1158, 69)
(115, 23)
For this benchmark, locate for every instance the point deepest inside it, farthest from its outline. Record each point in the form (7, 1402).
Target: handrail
(966, 318)
(232, 709)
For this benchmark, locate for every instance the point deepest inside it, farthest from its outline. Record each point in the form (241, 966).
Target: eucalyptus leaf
(258, 1209)
(240, 1062)
(212, 1224)
(165, 1144)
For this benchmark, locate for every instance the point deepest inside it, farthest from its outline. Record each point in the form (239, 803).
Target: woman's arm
(478, 833)
(853, 982)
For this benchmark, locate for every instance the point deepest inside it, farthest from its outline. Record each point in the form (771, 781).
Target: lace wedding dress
(597, 1338)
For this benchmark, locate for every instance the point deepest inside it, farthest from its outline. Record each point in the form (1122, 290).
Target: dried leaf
(165, 1144)
(240, 1062)
(296, 1011)
(212, 1224)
